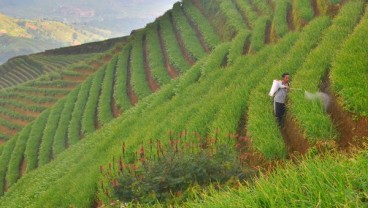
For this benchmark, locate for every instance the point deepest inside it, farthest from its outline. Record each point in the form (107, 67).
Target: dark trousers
(279, 110)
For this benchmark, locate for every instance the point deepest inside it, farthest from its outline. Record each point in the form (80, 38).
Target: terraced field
(203, 67)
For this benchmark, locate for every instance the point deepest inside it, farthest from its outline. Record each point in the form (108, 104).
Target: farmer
(279, 90)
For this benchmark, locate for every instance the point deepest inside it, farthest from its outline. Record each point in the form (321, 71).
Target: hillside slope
(204, 67)
(22, 36)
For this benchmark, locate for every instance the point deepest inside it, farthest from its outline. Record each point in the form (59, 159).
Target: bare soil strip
(22, 167)
(184, 51)
(114, 108)
(131, 94)
(147, 69)
(294, 139)
(171, 70)
(352, 131)
(268, 33)
(289, 18)
(5, 130)
(315, 7)
(16, 121)
(23, 111)
(246, 46)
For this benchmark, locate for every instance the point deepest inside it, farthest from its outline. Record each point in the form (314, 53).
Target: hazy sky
(118, 15)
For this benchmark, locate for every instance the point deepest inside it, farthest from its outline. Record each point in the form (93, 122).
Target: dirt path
(171, 70)
(315, 8)
(147, 69)
(289, 18)
(5, 130)
(23, 111)
(184, 51)
(350, 129)
(268, 33)
(196, 30)
(246, 46)
(16, 121)
(22, 167)
(114, 108)
(131, 94)
(244, 16)
(294, 140)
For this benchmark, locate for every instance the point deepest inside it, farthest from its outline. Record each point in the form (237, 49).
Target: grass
(187, 33)
(331, 180)
(155, 55)
(311, 116)
(347, 70)
(262, 127)
(208, 33)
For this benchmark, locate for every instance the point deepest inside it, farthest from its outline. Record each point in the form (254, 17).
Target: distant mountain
(24, 36)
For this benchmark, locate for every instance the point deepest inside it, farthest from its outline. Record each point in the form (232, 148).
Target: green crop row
(85, 158)
(280, 23)
(219, 58)
(187, 33)
(311, 116)
(4, 137)
(71, 73)
(138, 75)
(238, 45)
(60, 135)
(248, 11)
(155, 55)
(302, 12)
(120, 88)
(89, 114)
(45, 92)
(33, 108)
(74, 129)
(17, 155)
(264, 7)
(262, 127)
(331, 180)
(25, 96)
(347, 71)
(34, 141)
(45, 149)
(4, 161)
(210, 37)
(105, 100)
(259, 33)
(54, 83)
(176, 57)
(234, 19)
(250, 71)
(15, 114)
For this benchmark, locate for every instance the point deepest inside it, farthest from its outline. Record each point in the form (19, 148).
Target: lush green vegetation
(280, 23)
(322, 181)
(262, 126)
(347, 71)
(311, 115)
(210, 37)
(190, 39)
(219, 95)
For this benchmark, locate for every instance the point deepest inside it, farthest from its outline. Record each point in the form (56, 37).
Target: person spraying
(279, 91)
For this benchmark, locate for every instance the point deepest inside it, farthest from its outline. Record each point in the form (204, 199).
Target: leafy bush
(166, 173)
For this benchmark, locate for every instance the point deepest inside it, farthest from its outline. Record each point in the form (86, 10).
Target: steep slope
(222, 89)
